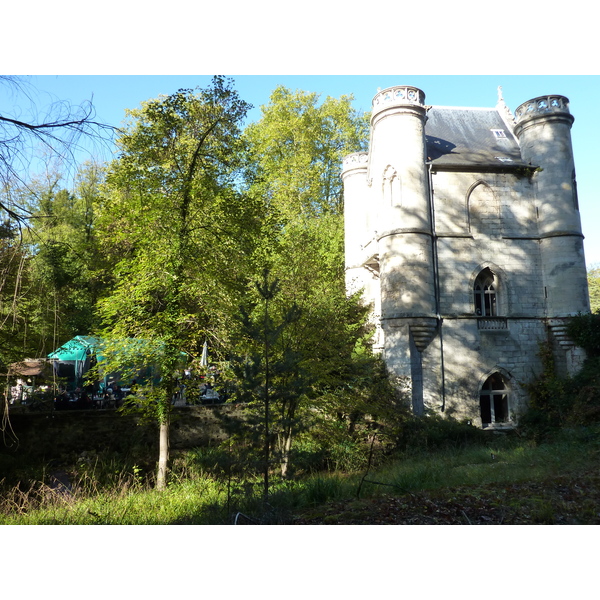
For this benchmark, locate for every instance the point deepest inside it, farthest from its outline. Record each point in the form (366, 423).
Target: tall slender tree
(179, 230)
(296, 150)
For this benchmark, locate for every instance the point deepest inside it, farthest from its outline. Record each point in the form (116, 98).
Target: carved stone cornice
(551, 107)
(356, 160)
(399, 98)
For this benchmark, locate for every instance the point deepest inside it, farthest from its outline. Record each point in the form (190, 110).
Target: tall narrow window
(493, 401)
(485, 294)
(391, 188)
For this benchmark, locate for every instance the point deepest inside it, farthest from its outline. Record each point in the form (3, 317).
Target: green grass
(102, 494)
(512, 462)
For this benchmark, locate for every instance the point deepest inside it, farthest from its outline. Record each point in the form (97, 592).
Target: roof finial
(504, 111)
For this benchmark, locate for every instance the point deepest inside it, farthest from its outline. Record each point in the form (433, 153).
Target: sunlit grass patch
(208, 488)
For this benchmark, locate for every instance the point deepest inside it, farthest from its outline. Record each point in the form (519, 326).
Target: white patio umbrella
(204, 358)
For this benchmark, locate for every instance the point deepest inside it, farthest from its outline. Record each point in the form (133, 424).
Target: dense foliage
(593, 277)
(558, 401)
(165, 246)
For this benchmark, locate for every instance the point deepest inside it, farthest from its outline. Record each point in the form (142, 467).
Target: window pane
(496, 382)
(478, 303)
(484, 291)
(486, 413)
(501, 408)
(493, 400)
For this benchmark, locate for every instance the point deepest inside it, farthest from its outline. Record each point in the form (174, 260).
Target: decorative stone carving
(423, 331)
(399, 95)
(542, 106)
(356, 159)
(492, 324)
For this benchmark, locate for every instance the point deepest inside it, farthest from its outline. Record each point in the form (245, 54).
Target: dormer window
(499, 133)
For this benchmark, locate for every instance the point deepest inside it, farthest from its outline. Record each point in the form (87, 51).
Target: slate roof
(461, 137)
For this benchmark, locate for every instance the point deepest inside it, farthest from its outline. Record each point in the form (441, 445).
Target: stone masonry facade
(463, 231)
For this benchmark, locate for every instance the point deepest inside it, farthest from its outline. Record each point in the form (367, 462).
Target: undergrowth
(204, 489)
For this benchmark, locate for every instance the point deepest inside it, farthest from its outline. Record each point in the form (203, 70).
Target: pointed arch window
(483, 207)
(392, 192)
(485, 292)
(494, 401)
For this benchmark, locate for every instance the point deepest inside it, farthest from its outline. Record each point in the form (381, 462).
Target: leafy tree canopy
(297, 149)
(593, 278)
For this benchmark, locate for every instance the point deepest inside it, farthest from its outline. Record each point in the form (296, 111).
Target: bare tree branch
(26, 134)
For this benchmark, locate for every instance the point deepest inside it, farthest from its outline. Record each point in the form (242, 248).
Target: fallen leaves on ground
(564, 500)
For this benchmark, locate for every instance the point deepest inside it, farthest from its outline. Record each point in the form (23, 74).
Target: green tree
(593, 277)
(295, 152)
(67, 271)
(178, 230)
(13, 282)
(28, 126)
(267, 377)
(297, 148)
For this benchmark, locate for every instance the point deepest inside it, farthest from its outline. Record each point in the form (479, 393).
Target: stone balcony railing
(400, 94)
(356, 160)
(542, 105)
(492, 323)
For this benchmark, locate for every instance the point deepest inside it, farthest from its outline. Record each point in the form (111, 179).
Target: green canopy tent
(73, 359)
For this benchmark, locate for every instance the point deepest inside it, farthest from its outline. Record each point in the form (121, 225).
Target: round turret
(543, 128)
(400, 188)
(398, 158)
(357, 214)
(358, 221)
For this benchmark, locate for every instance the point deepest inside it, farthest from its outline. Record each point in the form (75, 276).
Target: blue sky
(113, 94)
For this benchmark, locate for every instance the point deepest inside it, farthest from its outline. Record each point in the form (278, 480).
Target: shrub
(432, 431)
(557, 402)
(584, 330)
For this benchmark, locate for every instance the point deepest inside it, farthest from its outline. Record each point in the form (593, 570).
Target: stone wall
(52, 435)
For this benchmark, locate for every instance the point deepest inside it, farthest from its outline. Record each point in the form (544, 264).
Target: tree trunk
(286, 446)
(163, 455)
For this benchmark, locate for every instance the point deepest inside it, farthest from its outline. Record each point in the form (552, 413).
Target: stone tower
(543, 127)
(463, 232)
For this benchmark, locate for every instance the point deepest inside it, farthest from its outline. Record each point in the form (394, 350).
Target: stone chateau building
(463, 230)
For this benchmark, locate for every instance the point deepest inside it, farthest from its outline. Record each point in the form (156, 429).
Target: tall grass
(205, 489)
(515, 462)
